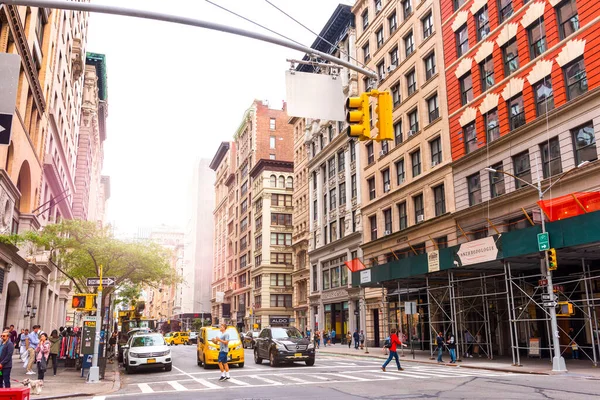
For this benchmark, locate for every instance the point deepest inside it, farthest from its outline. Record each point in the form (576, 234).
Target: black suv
(279, 344)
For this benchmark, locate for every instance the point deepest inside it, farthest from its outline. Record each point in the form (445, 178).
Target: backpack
(387, 343)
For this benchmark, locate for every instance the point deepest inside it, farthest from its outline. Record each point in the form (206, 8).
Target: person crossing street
(394, 342)
(223, 341)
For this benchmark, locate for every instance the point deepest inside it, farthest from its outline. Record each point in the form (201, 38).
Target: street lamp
(34, 311)
(28, 312)
(558, 362)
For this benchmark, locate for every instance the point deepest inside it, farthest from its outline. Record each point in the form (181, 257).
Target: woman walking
(42, 352)
(394, 341)
(54, 348)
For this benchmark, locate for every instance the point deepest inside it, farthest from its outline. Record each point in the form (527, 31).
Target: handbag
(42, 364)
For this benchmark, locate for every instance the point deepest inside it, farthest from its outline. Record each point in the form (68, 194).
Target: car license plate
(298, 355)
(151, 360)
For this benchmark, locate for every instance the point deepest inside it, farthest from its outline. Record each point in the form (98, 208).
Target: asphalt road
(346, 377)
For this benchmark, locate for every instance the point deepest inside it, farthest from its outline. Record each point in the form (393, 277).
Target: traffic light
(385, 128)
(358, 117)
(565, 309)
(84, 301)
(552, 262)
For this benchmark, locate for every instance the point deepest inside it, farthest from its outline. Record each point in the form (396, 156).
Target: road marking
(320, 377)
(145, 388)
(260, 378)
(384, 376)
(199, 380)
(99, 398)
(347, 376)
(177, 386)
(293, 378)
(238, 382)
(346, 364)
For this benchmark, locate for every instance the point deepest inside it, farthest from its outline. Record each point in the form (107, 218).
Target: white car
(146, 350)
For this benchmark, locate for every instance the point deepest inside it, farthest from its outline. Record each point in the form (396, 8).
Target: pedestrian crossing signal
(83, 302)
(565, 309)
(552, 261)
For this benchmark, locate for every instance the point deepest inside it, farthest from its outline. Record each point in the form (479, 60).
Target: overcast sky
(175, 92)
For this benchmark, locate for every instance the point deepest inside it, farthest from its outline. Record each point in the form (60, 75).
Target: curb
(501, 369)
(116, 386)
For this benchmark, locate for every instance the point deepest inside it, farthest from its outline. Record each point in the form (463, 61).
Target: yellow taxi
(175, 338)
(208, 352)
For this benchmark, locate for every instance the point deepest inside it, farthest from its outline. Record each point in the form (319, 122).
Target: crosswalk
(250, 377)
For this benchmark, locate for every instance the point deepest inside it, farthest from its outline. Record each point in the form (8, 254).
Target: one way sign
(10, 65)
(95, 282)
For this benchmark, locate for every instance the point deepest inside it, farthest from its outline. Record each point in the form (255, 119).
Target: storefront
(336, 317)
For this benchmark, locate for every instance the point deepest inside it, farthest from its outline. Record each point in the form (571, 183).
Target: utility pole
(94, 375)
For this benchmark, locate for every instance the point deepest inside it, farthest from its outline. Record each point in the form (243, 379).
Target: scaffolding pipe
(453, 312)
(514, 316)
(589, 308)
(486, 316)
(509, 307)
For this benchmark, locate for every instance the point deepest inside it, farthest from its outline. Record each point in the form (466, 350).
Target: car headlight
(311, 346)
(133, 354)
(163, 353)
(239, 346)
(280, 346)
(213, 346)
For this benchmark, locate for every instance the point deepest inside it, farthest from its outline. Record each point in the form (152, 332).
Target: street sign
(550, 304)
(543, 241)
(410, 307)
(94, 282)
(10, 65)
(547, 297)
(542, 282)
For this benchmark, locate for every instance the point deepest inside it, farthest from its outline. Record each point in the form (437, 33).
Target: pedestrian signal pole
(94, 375)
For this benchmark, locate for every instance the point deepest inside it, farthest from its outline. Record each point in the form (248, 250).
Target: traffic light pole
(131, 12)
(94, 375)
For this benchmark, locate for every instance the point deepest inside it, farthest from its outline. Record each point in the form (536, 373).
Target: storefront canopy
(570, 205)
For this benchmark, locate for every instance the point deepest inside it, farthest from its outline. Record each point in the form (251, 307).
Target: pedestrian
(317, 339)
(349, 339)
(42, 351)
(477, 347)
(13, 334)
(394, 342)
(112, 342)
(356, 339)
(325, 338)
(361, 337)
(451, 342)
(574, 346)
(386, 345)
(23, 347)
(33, 340)
(223, 341)
(469, 339)
(439, 340)
(332, 336)
(54, 349)
(8, 348)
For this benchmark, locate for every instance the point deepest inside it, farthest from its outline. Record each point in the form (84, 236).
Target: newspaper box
(20, 393)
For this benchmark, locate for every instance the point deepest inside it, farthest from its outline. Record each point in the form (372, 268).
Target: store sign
(433, 261)
(478, 251)
(279, 320)
(365, 276)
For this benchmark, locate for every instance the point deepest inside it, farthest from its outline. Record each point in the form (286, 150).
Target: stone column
(62, 308)
(22, 321)
(43, 317)
(36, 302)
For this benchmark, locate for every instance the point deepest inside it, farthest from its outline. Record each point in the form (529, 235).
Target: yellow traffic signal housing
(84, 301)
(552, 261)
(565, 309)
(358, 117)
(385, 128)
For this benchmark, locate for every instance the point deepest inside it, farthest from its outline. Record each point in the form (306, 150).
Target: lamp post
(558, 362)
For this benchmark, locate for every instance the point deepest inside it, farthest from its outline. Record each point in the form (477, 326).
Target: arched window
(290, 182)
(281, 181)
(273, 181)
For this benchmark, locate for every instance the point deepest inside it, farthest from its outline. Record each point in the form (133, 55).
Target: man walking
(13, 334)
(440, 346)
(223, 341)
(333, 336)
(469, 339)
(394, 341)
(33, 341)
(361, 336)
(356, 339)
(452, 348)
(8, 348)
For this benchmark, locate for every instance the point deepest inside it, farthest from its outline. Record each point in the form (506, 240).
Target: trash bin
(21, 393)
(102, 366)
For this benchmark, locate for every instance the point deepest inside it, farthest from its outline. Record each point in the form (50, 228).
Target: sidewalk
(67, 382)
(583, 368)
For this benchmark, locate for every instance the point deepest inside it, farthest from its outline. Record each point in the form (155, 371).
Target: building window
(280, 258)
(575, 79)
(419, 209)
(341, 161)
(413, 120)
(377, 6)
(258, 242)
(396, 94)
(411, 82)
(406, 8)
(281, 219)
(272, 142)
(470, 138)
(482, 23)
(352, 151)
(497, 181)
(432, 105)
(332, 199)
(429, 66)
(371, 185)
(584, 142)
(403, 217)
(474, 188)
(510, 54)
(441, 242)
(516, 112)
(427, 25)
(440, 200)
(486, 69)
(370, 155)
(387, 220)
(281, 300)
(244, 188)
(505, 9)
(462, 40)
(544, 97)
(353, 186)
(466, 89)
(365, 18)
(416, 163)
(366, 53)
(381, 70)
(551, 162)
(537, 39)
(385, 176)
(522, 169)
(398, 132)
(325, 204)
(326, 275)
(385, 147)
(436, 151)
(409, 44)
(354, 221)
(373, 225)
(332, 231)
(458, 4)
(281, 239)
(392, 23)
(281, 200)
(342, 227)
(315, 285)
(379, 36)
(258, 223)
(568, 19)
(315, 210)
(330, 133)
(400, 173)
(342, 189)
(271, 156)
(492, 129)
(272, 126)
(331, 165)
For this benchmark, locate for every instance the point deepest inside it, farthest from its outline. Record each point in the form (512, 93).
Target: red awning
(570, 205)
(354, 265)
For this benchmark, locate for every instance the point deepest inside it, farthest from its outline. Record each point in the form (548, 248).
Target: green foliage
(198, 323)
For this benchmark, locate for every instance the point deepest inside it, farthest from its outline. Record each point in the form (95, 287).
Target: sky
(176, 92)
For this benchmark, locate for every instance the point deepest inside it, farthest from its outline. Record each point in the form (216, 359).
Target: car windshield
(255, 334)
(213, 333)
(285, 333)
(169, 334)
(149, 340)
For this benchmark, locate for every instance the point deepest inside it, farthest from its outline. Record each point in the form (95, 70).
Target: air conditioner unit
(378, 7)
(410, 133)
(382, 152)
(386, 187)
(420, 218)
(392, 67)
(382, 76)
(434, 163)
(387, 233)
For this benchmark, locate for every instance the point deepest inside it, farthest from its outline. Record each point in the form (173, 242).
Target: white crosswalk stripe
(177, 386)
(207, 383)
(238, 382)
(145, 388)
(262, 378)
(293, 378)
(348, 376)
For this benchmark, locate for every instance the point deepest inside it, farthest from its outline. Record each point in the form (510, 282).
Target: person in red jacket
(394, 342)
